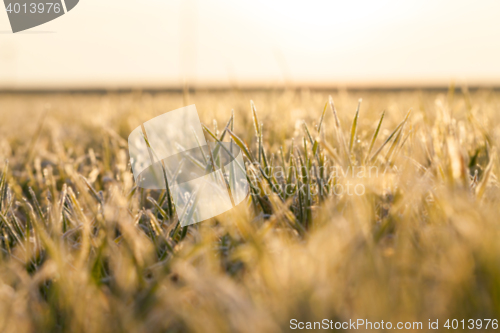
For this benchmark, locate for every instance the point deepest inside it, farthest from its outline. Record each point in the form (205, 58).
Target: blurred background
(122, 44)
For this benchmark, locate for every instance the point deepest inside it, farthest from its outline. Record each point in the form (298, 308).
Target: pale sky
(134, 43)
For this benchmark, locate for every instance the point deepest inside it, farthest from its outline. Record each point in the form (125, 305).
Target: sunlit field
(380, 209)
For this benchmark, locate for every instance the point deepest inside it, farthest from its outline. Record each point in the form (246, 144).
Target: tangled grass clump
(84, 250)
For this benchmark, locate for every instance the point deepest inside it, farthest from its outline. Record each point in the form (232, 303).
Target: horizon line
(246, 87)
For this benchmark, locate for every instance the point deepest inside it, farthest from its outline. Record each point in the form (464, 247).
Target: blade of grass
(255, 118)
(242, 145)
(322, 117)
(481, 188)
(354, 127)
(338, 128)
(374, 138)
(308, 133)
(390, 137)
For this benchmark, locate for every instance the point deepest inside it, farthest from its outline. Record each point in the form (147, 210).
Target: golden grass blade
(5, 221)
(334, 110)
(481, 188)
(322, 118)
(331, 151)
(255, 119)
(340, 135)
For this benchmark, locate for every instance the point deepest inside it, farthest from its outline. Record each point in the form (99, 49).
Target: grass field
(84, 250)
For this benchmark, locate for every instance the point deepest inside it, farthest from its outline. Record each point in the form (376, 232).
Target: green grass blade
(308, 133)
(242, 145)
(374, 138)
(390, 137)
(354, 127)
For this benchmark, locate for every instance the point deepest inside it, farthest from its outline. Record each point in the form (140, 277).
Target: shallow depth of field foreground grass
(83, 250)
